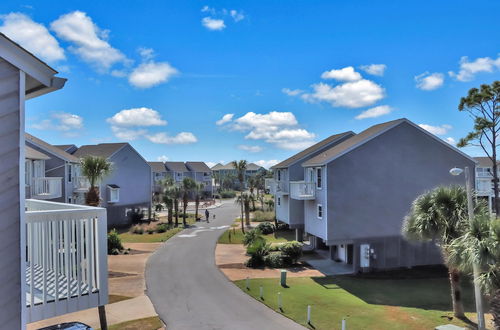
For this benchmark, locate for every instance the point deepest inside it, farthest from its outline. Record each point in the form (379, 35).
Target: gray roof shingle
(51, 149)
(176, 166)
(104, 150)
(157, 167)
(198, 167)
(31, 153)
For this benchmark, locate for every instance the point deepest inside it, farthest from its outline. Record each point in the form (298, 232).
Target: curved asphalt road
(189, 292)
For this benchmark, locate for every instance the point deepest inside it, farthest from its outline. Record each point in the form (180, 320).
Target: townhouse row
(349, 193)
(177, 171)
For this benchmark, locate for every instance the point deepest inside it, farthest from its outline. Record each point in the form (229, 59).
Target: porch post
(299, 235)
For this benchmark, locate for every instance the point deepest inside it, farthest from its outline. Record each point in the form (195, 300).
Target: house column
(299, 234)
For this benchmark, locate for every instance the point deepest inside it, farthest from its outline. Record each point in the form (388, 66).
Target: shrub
(135, 215)
(251, 236)
(161, 228)
(227, 194)
(282, 226)
(261, 216)
(292, 249)
(257, 251)
(278, 260)
(137, 229)
(114, 242)
(266, 228)
(150, 231)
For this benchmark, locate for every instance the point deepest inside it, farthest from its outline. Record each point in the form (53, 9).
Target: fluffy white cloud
(250, 148)
(374, 69)
(88, 41)
(61, 121)
(451, 140)
(137, 117)
(468, 69)
(225, 119)
(151, 73)
(277, 128)
(162, 158)
(354, 94)
(436, 130)
(375, 112)
(267, 163)
(33, 36)
(236, 15)
(164, 138)
(344, 74)
(429, 81)
(213, 24)
(146, 53)
(292, 92)
(127, 134)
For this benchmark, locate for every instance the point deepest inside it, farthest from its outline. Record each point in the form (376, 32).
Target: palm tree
(252, 185)
(244, 200)
(168, 199)
(441, 215)
(270, 204)
(198, 188)
(187, 187)
(176, 196)
(240, 167)
(480, 245)
(94, 169)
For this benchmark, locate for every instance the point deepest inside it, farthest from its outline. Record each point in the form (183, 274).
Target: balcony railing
(81, 183)
(66, 258)
(277, 187)
(46, 188)
(302, 190)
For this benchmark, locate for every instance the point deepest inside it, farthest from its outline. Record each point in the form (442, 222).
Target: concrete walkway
(189, 292)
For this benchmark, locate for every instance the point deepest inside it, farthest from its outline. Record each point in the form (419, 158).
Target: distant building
(484, 180)
(177, 171)
(158, 174)
(223, 171)
(202, 174)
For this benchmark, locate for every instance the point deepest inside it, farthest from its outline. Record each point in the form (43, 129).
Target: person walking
(207, 215)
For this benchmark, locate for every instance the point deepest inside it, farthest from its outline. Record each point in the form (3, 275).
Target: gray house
(202, 174)
(158, 173)
(177, 171)
(357, 193)
(291, 211)
(128, 187)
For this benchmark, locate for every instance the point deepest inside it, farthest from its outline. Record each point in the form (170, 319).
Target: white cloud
(354, 94)
(211, 164)
(277, 128)
(436, 130)
(468, 69)
(374, 69)
(89, 41)
(344, 74)
(137, 117)
(429, 81)
(164, 138)
(225, 119)
(150, 74)
(61, 121)
(266, 163)
(213, 23)
(128, 134)
(207, 9)
(162, 158)
(250, 148)
(236, 15)
(375, 112)
(292, 92)
(146, 53)
(451, 140)
(33, 36)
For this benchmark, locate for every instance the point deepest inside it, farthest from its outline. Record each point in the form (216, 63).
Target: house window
(70, 172)
(320, 211)
(279, 175)
(279, 201)
(318, 178)
(114, 193)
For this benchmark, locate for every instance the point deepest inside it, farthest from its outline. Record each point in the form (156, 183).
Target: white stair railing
(46, 187)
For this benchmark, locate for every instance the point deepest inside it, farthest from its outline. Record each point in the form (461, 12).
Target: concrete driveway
(189, 292)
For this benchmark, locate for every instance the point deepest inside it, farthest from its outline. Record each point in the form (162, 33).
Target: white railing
(46, 188)
(81, 183)
(66, 258)
(302, 190)
(277, 186)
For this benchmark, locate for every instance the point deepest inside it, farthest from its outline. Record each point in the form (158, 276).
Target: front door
(350, 253)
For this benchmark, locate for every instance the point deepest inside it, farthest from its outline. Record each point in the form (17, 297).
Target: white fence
(81, 183)
(46, 188)
(302, 190)
(277, 186)
(66, 258)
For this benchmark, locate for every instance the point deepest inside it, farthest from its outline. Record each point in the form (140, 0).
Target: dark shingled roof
(50, 148)
(157, 167)
(104, 150)
(289, 161)
(176, 166)
(65, 147)
(198, 167)
(485, 161)
(31, 153)
(351, 142)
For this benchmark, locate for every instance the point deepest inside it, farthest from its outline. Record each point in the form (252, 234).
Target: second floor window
(318, 177)
(279, 201)
(70, 172)
(320, 211)
(279, 175)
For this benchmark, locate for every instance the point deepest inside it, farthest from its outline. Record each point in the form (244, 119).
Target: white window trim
(321, 177)
(317, 211)
(117, 195)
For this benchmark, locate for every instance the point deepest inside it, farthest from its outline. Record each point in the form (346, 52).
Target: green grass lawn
(128, 237)
(235, 236)
(366, 303)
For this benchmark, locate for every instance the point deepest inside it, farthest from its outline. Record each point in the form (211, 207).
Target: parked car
(68, 326)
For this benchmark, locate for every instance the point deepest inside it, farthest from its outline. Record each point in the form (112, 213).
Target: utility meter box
(364, 257)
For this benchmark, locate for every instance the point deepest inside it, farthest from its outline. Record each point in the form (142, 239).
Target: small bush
(257, 251)
(227, 194)
(266, 228)
(150, 231)
(114, 242)
(292, 249)
(137, 229)
(251, 236)
(135, 215)
(261, 216)
(282, 226)
(161, 228)
(278, 260)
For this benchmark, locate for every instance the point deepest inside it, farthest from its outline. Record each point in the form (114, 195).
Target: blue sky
(291, 73)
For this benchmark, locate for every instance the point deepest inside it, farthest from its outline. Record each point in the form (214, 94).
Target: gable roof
(304, 153)
(31, 153)
(50, 148)
(253, 167)
(198, 167)
(176, 166)
(217, 167)
(104, 150)
(65, 147)
(229, 166)
(365, 136)
(485, 161)
(157, 167)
